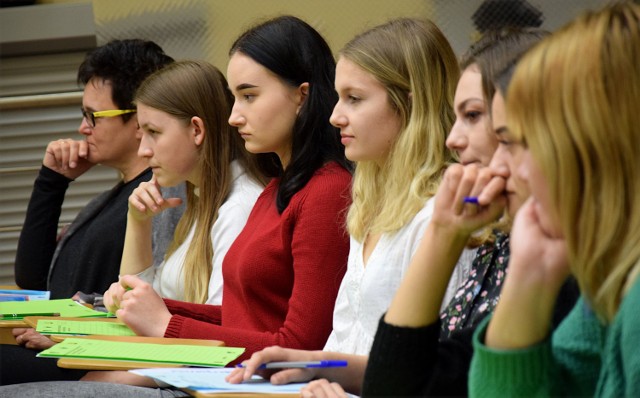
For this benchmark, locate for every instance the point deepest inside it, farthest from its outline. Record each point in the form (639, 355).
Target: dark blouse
(479, 294)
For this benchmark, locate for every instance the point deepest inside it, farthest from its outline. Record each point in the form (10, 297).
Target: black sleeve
(413, 362)
(37, 241)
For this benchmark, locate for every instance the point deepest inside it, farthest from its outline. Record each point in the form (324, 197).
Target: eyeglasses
(92, 116)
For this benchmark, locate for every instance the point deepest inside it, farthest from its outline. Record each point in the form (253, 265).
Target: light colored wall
(207, 28)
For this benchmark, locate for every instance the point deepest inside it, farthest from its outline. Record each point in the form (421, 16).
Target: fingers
(131, 282)
(18, 331)
(172, 202)
(493, 189)
(468, 198)
(275, 354)
(236, 376)
(113, 296)
(147, 196)
(323, 389)
(67, 152)
(68, 157)
(269, 354)
(31, 339)
(292, 376)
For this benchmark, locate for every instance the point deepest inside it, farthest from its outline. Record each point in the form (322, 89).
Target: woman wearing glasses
(82, 259)
(87, 257)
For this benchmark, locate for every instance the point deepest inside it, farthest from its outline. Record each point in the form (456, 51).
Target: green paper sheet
(54, 326)
(64, 307)
(193, 355)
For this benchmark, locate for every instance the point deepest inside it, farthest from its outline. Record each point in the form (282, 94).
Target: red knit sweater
(282, 273)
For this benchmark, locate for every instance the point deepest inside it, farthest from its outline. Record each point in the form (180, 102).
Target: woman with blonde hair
(414, 352)
(395, 87)
(400, 157)
(579, 121)
(182, 113)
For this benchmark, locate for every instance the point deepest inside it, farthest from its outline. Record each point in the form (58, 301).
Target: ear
(139, 132)
(198, 130)
(303, 92)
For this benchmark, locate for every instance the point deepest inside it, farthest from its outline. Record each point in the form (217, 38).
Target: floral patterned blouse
(479, 294)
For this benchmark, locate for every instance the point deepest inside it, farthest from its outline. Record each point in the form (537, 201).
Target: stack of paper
(194, 355)
(213, 381)
(65, 327)
(63, 307)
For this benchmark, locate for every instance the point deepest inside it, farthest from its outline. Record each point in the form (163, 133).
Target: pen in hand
(303, 364)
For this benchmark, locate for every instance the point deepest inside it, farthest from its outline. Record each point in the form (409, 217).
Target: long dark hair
(196, 88)
(297, 53)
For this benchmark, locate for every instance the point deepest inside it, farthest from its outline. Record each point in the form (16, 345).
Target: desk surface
(9, 287)
(6, 337)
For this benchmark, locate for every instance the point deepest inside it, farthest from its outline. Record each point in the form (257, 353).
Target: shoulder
(424, 215)
(242, 183)
(329, 176)
(329, 181)
(329, 190)
(417, 225)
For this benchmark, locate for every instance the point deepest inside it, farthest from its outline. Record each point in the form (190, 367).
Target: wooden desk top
(10, 287)
(6, 337)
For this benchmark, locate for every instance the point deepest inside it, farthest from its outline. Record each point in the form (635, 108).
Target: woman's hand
(141, 308)
(276, 354)
(68, 157)
(460, 181)
(113, 296)
(537, 269)
(535, 252)
(146, 201)
(31, 339)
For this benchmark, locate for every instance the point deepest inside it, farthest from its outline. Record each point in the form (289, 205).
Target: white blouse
(167, 278)
(366, 292)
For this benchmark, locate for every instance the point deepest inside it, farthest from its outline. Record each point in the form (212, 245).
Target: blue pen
(303, 364)
(471, 199)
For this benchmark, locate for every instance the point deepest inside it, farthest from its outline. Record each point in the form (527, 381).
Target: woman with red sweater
(282, 273)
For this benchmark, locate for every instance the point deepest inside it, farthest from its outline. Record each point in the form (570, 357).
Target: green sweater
(583, 358)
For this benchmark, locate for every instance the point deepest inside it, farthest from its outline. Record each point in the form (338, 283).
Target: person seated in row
(578, 124)
(412, 321)
(182, 113)
(87, 256)
(282, 273)
(394, 111)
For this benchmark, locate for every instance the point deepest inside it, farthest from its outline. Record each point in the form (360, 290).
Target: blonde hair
(574, 100)
(418, 68)
(196, 88)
